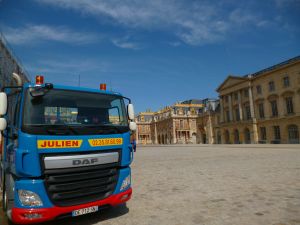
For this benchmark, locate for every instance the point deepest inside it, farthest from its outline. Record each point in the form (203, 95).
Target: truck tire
(4, 197)
(5, 203)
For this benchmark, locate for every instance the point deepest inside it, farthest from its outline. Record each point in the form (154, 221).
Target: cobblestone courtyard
(209, 185)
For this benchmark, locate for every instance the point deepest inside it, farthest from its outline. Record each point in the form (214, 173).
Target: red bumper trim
(51, 213)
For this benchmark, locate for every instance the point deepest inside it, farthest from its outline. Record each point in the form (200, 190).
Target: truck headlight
(125, 183)
(29, 198)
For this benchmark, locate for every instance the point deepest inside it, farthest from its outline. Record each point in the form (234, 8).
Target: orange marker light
(39, 80)
(103, 87)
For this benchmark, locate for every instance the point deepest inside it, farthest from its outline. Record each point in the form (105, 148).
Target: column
(254, 122)
(174, 132)
(240, 105)
(222, 109)
(251, 103)
(230, 107)
(155, 133)
(210, 130)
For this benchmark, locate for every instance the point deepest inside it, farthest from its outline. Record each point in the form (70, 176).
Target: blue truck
(65, 151)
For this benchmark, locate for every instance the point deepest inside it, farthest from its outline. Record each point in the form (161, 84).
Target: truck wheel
(4, 198)
(5, 204)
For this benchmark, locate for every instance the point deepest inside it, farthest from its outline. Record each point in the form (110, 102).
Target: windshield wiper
(106, 129)
(69, 127)
(113, 128)
(59, 129)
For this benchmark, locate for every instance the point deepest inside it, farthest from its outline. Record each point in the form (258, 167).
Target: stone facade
(172, 125)
(186, 122)
(207, 122)
(144, 131)
(263, 107)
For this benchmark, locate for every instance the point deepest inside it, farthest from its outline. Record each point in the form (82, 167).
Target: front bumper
(46, 214)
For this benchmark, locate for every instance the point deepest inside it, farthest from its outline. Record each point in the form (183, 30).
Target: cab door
(11, 132)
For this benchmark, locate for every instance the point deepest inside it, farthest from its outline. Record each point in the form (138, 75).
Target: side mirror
(130, 110)
(3, 124)
(3, 103)
(132, 126)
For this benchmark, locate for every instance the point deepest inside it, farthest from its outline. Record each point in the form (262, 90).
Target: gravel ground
(209, 185)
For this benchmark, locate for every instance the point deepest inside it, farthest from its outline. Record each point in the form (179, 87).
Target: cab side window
(13, 109)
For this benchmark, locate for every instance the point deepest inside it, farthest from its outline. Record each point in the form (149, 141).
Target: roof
(248, 76)
(192, 101)
(146, 113)
(276, 66)
(231, 77)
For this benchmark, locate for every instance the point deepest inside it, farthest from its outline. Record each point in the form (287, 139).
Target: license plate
(80, 212)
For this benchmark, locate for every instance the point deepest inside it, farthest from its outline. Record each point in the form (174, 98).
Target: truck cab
(66, 151)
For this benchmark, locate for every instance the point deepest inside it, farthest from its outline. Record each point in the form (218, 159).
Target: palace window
(226, 98)
(289, 105)
(263, 133)
(181, 124)
(248, 112)
(286, 81)
(258, 89)
(246, 93)
(261, 110)
(237, 114)
(236, 96)
(293, 134)
(271, 86)
(274, 108)
(227, 116)
(276, 132)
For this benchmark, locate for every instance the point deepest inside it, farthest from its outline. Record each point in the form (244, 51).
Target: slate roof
(276, 66)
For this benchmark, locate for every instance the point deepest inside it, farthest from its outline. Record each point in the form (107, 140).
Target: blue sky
(157, 52)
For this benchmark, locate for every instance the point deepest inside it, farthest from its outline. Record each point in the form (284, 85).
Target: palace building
(263, 107)
(143, 131)
(171, 125)
(190, 121)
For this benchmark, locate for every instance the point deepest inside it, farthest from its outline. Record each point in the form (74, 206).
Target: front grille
(73, 186)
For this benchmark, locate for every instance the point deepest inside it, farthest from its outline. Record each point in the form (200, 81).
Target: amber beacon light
(39, 80)
(103, 87)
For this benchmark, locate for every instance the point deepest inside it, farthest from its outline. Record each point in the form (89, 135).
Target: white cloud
(69, 66)
(31, 34)
(193, 22)
(126, 43)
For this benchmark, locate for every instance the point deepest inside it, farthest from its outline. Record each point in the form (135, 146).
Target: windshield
(65, 112)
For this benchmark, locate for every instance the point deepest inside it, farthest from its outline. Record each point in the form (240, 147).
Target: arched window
(236, 137)
(247, 136)
(219, 138)
(227, 138)
(293, 133)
